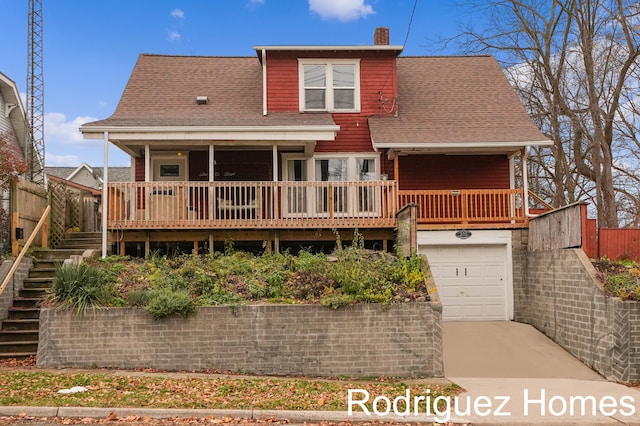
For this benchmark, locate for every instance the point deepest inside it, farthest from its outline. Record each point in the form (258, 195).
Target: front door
(296, 196)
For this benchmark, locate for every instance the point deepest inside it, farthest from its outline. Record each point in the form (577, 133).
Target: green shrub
(138, 297)
(166, 301)
(626, 287)
(80, 287)
(350, 275)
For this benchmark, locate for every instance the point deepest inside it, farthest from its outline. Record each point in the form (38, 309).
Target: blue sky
(90, 46)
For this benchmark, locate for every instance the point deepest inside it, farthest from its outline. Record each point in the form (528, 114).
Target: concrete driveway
(505, 349)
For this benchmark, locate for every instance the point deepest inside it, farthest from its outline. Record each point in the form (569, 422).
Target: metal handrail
(13, 269)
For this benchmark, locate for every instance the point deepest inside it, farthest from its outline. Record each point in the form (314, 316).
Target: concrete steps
(19, 332)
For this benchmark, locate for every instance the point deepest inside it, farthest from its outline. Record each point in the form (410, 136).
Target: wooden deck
(303, 205)
(252, 205)
(469, 208)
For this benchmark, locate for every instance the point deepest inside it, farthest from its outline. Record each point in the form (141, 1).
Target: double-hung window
(329, 86)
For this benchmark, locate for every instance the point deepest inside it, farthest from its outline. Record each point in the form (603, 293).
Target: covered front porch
(252, 205)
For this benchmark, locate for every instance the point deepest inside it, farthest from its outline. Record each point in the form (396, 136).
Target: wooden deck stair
(19, 332)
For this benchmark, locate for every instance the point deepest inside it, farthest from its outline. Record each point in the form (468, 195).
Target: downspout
(525, 181)
(105, 194)
(264, 82)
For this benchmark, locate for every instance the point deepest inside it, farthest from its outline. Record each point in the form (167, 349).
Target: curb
(289, 415)
(164, 413)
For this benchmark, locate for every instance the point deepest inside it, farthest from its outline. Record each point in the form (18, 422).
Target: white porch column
(525, 181)
(147, 163)
(147, 178)
(275, 163)
(105, 194)
(212, 163)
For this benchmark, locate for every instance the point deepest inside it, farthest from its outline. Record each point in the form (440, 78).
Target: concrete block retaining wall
(400, 340)
(560, 296)
(14, 286)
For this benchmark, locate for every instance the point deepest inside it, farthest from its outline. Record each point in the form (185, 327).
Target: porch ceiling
(130, 138)
(480, 148)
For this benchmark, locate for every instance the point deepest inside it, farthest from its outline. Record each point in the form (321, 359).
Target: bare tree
(575, 66)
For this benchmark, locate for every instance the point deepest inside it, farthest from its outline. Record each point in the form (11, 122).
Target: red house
(298, 142)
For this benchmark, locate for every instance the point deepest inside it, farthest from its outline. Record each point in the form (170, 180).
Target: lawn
(30, 387)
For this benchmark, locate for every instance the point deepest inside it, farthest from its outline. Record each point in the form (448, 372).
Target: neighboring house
(86, 183)
(89, 176)
(13, 121)
(298, 142)
(14, 130)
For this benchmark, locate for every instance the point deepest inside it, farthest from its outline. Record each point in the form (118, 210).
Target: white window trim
(329, 83)
(160, 159)
(294, 156)
(352, 163)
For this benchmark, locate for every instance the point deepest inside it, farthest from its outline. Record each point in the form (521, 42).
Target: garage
(473, 280)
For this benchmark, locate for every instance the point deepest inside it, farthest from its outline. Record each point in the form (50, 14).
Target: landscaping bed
(620, 278)
(164, 286)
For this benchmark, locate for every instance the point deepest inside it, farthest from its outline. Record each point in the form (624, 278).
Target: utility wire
(415, 4)
(406, 38)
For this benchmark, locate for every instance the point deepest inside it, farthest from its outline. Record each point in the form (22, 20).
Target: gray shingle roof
(440, 100)
(162, 91)
(454, 99)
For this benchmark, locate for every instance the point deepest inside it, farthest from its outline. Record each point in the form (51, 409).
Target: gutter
(196, 129)
(525, 182)
(449, 145)
(264, 82)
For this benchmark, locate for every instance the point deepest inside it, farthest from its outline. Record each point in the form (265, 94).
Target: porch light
(202, 100)
(179, 154)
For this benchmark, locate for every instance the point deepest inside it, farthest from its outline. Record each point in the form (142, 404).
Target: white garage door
(471, 281)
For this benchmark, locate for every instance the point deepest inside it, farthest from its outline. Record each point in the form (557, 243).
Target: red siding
(353, 135)
(453, 172)
(282, 84)
(377, 83)
(139, 172)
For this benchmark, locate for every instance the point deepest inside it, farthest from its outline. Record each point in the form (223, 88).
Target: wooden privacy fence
(71, 208)
(613, 243)
(28, 201)
(558, 229)
(570, 227)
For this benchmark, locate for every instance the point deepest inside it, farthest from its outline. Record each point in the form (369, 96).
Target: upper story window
(329, 85)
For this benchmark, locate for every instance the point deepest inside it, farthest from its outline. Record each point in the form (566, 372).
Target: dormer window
(332, 86)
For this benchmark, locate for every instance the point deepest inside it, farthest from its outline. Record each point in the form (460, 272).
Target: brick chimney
(381, 36)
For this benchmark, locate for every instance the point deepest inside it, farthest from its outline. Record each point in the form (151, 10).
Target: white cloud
(59, 130)
(343, 10)
(61, 160)
(173, 36)
(177, 13)
(254, 3)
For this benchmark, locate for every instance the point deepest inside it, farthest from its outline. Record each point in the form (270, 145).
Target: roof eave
(427, 146)
(376, 47)
(131, 133)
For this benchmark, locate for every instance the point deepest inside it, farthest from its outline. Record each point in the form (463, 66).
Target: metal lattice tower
(35, 91)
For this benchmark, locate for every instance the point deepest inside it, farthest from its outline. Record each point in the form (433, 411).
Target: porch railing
(461, 207)
(257, 205)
